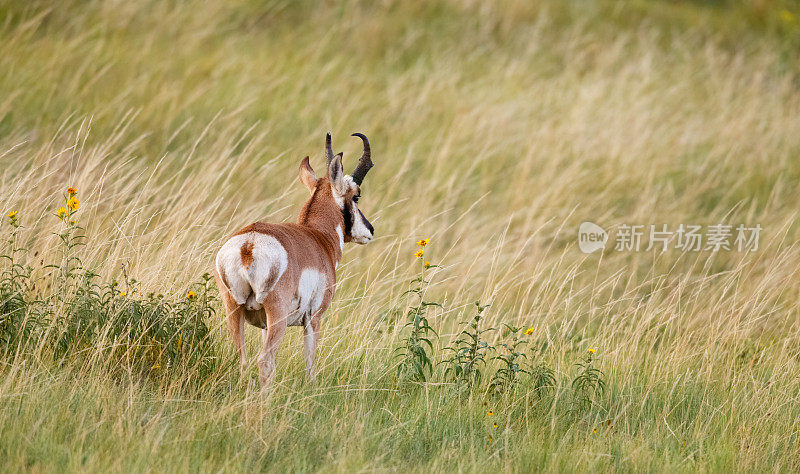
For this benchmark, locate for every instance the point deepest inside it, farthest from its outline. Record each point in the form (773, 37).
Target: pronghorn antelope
(279, 275)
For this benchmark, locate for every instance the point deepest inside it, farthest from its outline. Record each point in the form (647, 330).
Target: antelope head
(345, 190)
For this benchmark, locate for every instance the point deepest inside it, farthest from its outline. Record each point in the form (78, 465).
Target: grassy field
(497, 128)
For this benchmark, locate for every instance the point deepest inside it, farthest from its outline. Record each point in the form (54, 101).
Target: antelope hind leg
(270, 341)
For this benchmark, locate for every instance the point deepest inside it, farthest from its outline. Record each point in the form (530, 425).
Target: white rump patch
(250, 285)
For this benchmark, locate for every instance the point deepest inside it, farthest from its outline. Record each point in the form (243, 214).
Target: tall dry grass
(497, 129)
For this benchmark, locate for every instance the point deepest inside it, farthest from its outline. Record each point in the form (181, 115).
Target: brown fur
(247, 254)
(312, 242)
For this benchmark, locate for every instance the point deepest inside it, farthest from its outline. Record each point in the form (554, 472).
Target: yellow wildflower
(12, 214)
(591, 351)
(494, 425)
(423, 242)
(490, 440)
(595, 431)
(490, 413)
(427, 264)
(71, 191)
(122, 294)
(73, 203)
(190, 295)
(61, 212)
(419, 253)
(529, 332)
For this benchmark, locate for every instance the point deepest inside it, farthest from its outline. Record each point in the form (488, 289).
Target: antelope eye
(355, 198)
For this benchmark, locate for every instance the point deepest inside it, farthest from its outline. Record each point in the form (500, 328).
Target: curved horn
(328, 150)
(364, 163)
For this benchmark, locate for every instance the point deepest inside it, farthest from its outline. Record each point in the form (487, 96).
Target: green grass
(497, 128)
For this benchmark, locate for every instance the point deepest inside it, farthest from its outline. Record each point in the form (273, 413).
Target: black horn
(364, 163)
(328, 150)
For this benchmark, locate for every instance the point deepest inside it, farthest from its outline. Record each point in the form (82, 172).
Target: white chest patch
(340, 233)
(308, 299)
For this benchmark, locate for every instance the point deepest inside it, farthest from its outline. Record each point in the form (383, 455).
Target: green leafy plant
(469, 352)
(150, 334)
(587, 385)
(15, 324)
(543, 380)
(507, 376)
(415, 361)
(83, 316)
(72, 236)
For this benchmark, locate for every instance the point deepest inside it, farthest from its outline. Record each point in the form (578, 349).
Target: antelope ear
(336, 173)
(307, 175)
